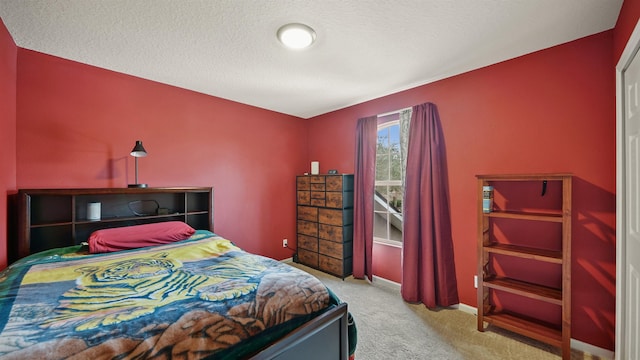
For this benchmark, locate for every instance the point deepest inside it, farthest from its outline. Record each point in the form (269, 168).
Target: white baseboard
(466, 308)
(287, 260)
(592, 349)
(382, 282)
(575, 344)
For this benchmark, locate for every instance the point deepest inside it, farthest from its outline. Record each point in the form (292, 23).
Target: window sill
(396, 244)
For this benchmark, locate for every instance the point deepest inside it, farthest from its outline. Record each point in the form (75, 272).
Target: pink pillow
(131, 237)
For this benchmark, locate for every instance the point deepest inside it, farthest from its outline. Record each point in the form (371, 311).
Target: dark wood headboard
(50, 218)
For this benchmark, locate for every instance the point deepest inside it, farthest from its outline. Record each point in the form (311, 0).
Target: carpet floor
(390, 328)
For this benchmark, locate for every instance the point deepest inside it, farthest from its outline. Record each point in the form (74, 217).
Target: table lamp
(137, 152)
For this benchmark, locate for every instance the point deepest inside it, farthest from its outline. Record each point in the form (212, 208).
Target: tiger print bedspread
(193, 299)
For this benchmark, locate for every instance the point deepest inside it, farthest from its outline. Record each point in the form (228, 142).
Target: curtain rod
(394, 112)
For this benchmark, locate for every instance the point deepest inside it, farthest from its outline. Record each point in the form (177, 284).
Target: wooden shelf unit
(557, 333)
(62, 216)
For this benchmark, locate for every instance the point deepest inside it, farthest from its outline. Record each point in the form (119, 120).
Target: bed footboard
(323, 338)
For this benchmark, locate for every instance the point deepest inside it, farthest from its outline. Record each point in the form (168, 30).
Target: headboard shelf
(129, 218)
(49, 218)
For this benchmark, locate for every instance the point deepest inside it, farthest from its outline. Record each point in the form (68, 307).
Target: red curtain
(364, 186)
(428, 269)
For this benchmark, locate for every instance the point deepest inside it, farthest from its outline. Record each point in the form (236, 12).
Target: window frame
(389, 212)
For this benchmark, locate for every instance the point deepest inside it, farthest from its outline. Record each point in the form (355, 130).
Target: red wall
(549, 111)
(8, 55)
(386, 262)
(627, 20)
(78, 123)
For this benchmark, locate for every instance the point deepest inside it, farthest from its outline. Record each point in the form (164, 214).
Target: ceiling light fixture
(296, 36)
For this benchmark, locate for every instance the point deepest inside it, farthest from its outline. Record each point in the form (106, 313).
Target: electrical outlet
(285, 243)
(475, 281)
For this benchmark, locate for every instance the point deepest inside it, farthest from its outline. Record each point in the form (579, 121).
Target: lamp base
(138, 185)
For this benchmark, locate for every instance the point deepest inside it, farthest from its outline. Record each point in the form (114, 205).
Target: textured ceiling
(364, 48)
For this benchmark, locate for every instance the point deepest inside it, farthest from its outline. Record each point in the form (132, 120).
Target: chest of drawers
(325, 222)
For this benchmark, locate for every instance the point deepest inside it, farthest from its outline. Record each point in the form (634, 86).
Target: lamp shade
(138, 150)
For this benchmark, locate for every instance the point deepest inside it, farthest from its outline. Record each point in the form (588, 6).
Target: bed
(156, 288)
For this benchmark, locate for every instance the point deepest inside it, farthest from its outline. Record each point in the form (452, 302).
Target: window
(389, 190)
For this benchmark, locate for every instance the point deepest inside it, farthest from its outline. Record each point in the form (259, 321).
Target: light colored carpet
(389, 328)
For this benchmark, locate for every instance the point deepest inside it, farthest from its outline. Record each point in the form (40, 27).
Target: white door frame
(621, 242)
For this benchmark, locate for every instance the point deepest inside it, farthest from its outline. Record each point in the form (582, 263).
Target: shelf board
(543, 332)
(127, 218)
(549, 256)
(115, 191)
(56, 223)
(522, 288)
(552, 217)
(119, 218)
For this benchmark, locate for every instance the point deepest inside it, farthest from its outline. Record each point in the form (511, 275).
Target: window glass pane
(395, 199)
(394, 134)
(394, 149)
(380, 225)
(395, 233)
(394, 152)
(382, 167)
(396, 167)
(394, 138)
(383, 139)
(382, 194)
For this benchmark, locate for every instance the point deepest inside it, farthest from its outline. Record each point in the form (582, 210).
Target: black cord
(290, 248)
